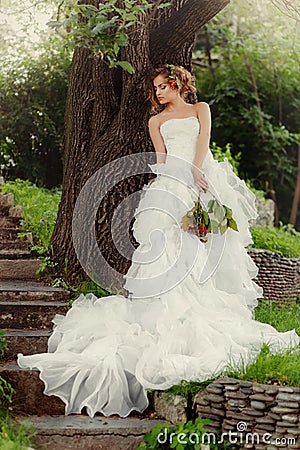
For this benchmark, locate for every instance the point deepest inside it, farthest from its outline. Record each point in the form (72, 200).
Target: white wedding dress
(190, 311)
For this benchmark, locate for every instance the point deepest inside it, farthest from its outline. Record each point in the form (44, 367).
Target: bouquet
(218, 217)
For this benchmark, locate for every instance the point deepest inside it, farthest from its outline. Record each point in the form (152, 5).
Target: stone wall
(266, 212)
(267, 416)
(278, 276)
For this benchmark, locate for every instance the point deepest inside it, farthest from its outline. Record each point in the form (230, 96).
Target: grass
(87, 287)
(40, 209)
(281, 368)
(283, 318)
(284, 240)
(14, 436)
(3, 343)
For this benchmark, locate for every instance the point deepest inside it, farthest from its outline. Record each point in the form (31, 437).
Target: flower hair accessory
(173, 80)
(218, 218)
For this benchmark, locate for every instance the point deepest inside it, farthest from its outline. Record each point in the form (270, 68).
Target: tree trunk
(106, 119)
(296, 198)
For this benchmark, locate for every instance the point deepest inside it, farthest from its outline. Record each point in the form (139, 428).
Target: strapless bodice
(180, 137)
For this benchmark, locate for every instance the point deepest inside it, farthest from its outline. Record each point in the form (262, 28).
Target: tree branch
(183, 25)
(288, 8)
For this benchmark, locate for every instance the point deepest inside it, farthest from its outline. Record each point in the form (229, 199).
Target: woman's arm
(157, 139)
(204, 117)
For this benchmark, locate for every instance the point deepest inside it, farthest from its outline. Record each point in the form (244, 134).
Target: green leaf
(116, 48)
(219, 212)
(125, 66)
(164, 5)
(130, 17)
(210, 205)
(101, 26)
(214, 226)
(223, 228)
(228, 211)
(129, 24)
(121, 38)
(205, 217)
(180, 446)
(54, 24)
(232, 224)
(224, 222)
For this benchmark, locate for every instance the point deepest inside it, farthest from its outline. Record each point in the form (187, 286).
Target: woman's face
(164, 92)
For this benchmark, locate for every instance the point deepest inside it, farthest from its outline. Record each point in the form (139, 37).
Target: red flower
(202, 230)
(173, 84)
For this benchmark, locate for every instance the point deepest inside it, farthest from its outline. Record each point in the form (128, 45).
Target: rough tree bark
(296, 197)
(106, 118)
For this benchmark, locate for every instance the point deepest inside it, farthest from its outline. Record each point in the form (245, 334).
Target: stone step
(14, 244)
(27, 342)
(9, 222)
(8, 233)
(15, 253)
(27, 291)
(33, 314)
(6, 199)
(84, 433)
(19, 269)
(29, 398)
(16, 212)
(4, 210)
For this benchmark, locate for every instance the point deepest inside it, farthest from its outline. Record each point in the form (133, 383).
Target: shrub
(284, 240)
(40, 209)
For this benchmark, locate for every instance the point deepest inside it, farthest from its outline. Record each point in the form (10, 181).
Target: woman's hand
(199, 179)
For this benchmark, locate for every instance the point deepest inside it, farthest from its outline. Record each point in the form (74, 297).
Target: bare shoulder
(203, 114)
(202, 107)
(154, 122)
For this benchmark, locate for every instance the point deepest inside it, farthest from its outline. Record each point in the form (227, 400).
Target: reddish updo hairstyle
(186, 83)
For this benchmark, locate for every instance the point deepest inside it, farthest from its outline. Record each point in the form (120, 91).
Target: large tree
(106, 118)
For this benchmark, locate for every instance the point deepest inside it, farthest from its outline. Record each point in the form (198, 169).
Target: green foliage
(6, 390)
(244, 119)
(188, 389)
(250, 77)
(284, 240)
(283, 317)
(280, 368)
(13, 436)
(86, 287)
(104, 29)
(3, 343)
(6, 393)
(225, 153)
(32, 104)
(40, 210)
(258, 192)
(182, 436)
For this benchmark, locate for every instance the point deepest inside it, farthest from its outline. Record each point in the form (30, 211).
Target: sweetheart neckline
(179, 118)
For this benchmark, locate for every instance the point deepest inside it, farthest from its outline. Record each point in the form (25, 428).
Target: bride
(190, 308)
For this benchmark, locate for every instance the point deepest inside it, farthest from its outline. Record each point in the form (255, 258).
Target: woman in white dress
(190, 310)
